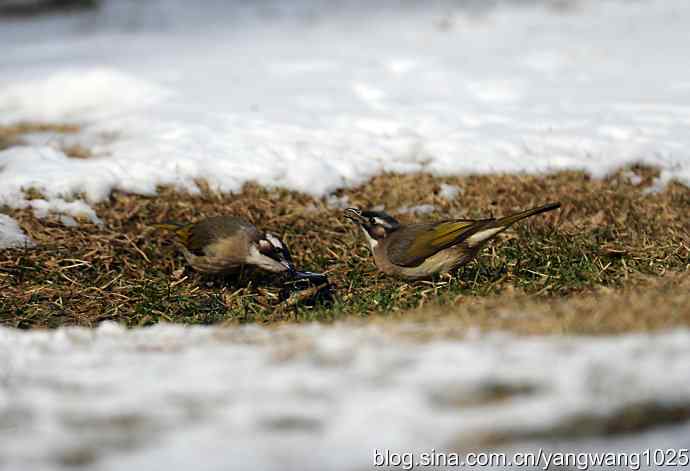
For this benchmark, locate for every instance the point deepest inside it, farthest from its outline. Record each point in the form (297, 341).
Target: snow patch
(78, 209)
(360, 91)
(11, 235)
(658, 184)
(634, 178)
(80, 94)
(338, 202)
(55, 175)
(418, 209)
(449, 192)
(271, 398)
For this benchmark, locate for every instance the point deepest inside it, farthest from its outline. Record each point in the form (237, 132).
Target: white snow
(53, 174)
(77, 95)
(11, 235)
(42, 208)
(311, 397)
(417, 209)
(634, 178)
(449, 192)
(314, 96)
(338, 202)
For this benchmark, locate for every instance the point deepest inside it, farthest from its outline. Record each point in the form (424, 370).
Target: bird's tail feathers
(509, 220)
(497, 226)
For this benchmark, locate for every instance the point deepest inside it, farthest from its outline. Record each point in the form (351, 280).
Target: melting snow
(449, 192)
(418, 209)
(314, 96)
(11, 235)
(310, 396)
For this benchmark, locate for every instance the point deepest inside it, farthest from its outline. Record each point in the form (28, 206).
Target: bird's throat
(373, 243)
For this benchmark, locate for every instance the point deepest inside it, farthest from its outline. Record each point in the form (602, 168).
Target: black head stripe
(380, 218)
(274, 241)
(273, 247)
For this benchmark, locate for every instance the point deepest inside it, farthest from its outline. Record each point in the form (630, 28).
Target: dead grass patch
(609, 234)
(11, 135)
(77, 151)
(649, 303)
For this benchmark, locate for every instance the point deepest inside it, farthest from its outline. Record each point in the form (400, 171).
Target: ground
(614, 258)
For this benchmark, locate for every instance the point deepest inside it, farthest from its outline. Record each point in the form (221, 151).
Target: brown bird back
(200, 235)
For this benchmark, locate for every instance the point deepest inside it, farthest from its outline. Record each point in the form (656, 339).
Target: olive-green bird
(224, 244)
(417, 251)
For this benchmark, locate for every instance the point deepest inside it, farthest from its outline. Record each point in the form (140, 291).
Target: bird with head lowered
(224, 244)
(415, 251)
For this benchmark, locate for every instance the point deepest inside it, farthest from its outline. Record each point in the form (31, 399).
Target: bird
(417, 251)
(225, 244)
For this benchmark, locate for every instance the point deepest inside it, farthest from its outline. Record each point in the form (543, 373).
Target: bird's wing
(213, 229)
(411, 245)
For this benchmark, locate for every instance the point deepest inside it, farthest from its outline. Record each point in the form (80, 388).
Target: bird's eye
(372, 221)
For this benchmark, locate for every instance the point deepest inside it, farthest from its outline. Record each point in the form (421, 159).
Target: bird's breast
(441, 262)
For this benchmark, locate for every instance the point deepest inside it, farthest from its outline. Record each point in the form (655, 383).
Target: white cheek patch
(275, 242)
(372, 242)
(381, 222)
(481, 236)
(257, 258)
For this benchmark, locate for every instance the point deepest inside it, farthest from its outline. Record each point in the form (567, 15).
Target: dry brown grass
(648, 304)
(609, 235)
(11, 135)
(77, 151)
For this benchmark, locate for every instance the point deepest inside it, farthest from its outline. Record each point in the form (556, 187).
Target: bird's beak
(354, 215)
